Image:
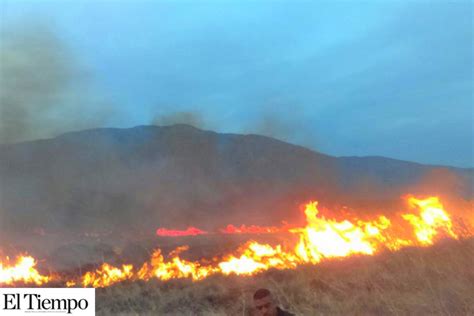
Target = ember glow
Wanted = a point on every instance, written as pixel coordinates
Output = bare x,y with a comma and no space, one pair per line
190,231
228,230
251,229
322,238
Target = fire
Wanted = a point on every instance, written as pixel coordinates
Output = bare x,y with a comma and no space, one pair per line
190,231
172,269
432,219
107,275
229,229
255,257
325,238
22,271
320,239
251,229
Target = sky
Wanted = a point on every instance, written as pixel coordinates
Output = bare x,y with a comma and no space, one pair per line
346,78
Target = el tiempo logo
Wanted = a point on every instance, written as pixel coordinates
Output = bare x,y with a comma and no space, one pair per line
42,301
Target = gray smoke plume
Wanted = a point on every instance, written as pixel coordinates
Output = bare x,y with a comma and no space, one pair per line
183,117
274,126
278,122
42,90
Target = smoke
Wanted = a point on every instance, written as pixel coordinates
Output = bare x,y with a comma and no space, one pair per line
274,126
182,117
447,182
285,121
278,123
43,91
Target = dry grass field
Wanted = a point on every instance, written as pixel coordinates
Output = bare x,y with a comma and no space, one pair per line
438,280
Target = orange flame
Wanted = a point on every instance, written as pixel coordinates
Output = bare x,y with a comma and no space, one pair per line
251,229
22,271
431,221
190,231
107,275
321,238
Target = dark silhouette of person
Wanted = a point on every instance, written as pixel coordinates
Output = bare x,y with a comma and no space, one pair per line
265,304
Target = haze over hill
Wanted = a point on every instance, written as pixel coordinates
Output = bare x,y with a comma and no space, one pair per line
140,178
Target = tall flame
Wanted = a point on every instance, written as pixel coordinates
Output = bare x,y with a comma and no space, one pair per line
22,271
432,219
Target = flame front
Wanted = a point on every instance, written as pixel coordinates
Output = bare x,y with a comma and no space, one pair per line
107,275
432,220
321,239
23,271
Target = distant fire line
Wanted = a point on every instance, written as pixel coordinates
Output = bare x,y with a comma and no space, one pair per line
190,231
229,229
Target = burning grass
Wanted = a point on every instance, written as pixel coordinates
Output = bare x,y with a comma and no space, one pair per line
436,280
416,262
413,263
321,239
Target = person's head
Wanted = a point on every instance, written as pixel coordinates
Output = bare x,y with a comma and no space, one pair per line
264,304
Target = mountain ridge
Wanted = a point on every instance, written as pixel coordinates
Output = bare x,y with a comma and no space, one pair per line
93,130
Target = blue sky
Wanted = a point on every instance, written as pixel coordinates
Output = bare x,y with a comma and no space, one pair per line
387,78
